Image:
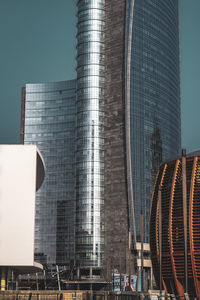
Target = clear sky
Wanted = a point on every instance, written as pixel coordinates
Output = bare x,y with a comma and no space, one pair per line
38,45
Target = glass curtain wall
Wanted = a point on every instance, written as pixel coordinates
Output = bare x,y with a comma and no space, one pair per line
49,117
155,132
89,133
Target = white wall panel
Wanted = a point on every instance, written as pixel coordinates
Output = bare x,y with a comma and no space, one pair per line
17,204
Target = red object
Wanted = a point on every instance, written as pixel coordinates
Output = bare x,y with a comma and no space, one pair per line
169,178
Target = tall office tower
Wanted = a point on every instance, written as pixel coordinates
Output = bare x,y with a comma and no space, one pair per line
48,120
154,96
128,57
89,133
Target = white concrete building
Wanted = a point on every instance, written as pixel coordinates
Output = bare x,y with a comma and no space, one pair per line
21,174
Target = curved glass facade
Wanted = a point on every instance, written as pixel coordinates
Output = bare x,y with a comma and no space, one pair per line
89,133
49,122
154,96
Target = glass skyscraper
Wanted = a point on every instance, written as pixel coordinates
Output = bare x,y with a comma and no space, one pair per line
90,133
121,121
154,96
48,117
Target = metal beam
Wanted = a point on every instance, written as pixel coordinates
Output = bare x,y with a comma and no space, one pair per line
184,194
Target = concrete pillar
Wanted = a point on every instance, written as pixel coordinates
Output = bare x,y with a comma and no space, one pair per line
17,282
78,273
90,272
151,278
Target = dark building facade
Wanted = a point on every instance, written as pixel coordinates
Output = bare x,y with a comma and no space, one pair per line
169,179
142,115
116,189
48,120
127,122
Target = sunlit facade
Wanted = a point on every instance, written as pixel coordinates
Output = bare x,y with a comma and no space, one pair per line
90,133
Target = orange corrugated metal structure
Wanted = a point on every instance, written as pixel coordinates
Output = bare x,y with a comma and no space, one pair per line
169,178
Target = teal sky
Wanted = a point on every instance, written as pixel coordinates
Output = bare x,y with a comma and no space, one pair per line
38,45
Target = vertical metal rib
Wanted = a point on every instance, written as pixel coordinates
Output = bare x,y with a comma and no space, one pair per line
158,212
154,216
160,236
185,225
127,118
194,223
178,285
